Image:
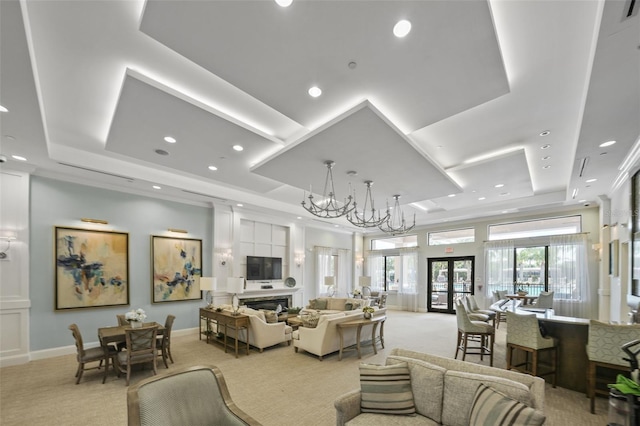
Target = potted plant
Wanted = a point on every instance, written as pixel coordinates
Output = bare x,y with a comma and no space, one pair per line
368,311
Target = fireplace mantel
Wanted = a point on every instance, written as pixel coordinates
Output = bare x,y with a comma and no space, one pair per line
267,292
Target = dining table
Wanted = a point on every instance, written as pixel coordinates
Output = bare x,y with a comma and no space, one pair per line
117,334
525,298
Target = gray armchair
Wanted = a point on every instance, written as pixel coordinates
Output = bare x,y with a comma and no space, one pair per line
190,396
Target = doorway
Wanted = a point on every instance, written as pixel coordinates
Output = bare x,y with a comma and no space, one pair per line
450,278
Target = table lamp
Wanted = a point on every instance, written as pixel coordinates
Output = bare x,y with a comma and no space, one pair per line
235,286
330,283
208,285
365,285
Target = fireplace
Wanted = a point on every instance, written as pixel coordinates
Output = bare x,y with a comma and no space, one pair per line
268,303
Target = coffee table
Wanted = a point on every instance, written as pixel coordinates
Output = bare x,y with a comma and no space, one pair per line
294,322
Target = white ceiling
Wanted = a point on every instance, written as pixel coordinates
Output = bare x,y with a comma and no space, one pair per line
439,117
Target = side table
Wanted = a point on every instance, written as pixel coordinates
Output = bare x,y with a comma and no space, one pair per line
359,323
225,320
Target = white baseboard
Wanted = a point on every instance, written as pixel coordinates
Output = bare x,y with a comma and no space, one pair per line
68,350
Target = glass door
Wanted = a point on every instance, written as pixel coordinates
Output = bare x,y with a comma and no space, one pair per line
450,278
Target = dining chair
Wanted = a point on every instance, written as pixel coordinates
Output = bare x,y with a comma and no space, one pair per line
122,319
544,301
189,396
141,349
85,356
500,316
523,334
467,330
163,343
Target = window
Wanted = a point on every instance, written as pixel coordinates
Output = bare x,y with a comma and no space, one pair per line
455,236
395,242
394,272
536,228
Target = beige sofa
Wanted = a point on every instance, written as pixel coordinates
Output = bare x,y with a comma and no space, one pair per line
325,339
443,391
332,305
261,333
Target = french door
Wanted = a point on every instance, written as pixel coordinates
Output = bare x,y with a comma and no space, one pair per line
450,278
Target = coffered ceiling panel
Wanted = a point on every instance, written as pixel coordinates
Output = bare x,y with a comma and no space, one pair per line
203,139
276,54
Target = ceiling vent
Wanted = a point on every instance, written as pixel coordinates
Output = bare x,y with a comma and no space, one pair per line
630,9
128,179
204,195
583,165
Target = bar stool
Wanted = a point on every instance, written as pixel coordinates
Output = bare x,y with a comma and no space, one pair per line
467,330
523,334
472,308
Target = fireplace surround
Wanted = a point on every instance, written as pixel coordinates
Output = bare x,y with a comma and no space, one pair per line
268,302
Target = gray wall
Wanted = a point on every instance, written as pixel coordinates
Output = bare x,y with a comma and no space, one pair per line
56,203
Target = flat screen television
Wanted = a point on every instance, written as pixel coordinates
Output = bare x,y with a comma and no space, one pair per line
264,268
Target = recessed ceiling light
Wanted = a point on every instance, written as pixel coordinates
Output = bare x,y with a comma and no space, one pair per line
582,201
546,167
482,198
608,143
238,148
240,205
18,157
451,195
3,109
170,139
336,226
546,158
500,185
213,168
591,180
315,91
299,217
156,187
401,28
161,152
284,3
504,194
545,133
547,146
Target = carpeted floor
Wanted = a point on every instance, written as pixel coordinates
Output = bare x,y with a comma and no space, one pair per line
277,387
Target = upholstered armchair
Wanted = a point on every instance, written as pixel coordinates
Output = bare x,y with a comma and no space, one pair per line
190,396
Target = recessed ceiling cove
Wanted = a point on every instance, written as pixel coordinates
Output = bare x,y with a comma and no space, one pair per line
146,114
362,141
276,54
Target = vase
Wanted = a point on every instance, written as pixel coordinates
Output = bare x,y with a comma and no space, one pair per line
135,324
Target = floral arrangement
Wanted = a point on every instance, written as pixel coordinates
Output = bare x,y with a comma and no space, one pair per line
357,292
136,315
368,309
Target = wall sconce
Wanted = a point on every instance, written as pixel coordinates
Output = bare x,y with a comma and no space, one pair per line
89,220
8,236
359,261
299,259
596,246
226,255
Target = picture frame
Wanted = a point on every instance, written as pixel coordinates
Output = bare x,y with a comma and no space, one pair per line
613,258
91,268
176,267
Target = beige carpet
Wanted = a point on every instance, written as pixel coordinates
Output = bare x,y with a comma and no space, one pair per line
277,387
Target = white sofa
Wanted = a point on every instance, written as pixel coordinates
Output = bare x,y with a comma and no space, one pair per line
443,391
261,333
324,338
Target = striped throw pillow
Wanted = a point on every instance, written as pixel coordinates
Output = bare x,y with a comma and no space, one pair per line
493,408
386,389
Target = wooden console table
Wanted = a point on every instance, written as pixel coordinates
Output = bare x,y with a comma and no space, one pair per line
226,320
359,323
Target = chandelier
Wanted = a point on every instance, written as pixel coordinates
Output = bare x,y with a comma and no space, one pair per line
329,207
366,220
395,223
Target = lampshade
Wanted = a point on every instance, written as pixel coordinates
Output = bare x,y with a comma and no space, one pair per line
208,283
235,285
329,281
364,281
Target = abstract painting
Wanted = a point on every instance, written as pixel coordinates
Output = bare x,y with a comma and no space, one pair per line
92,268
177,265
